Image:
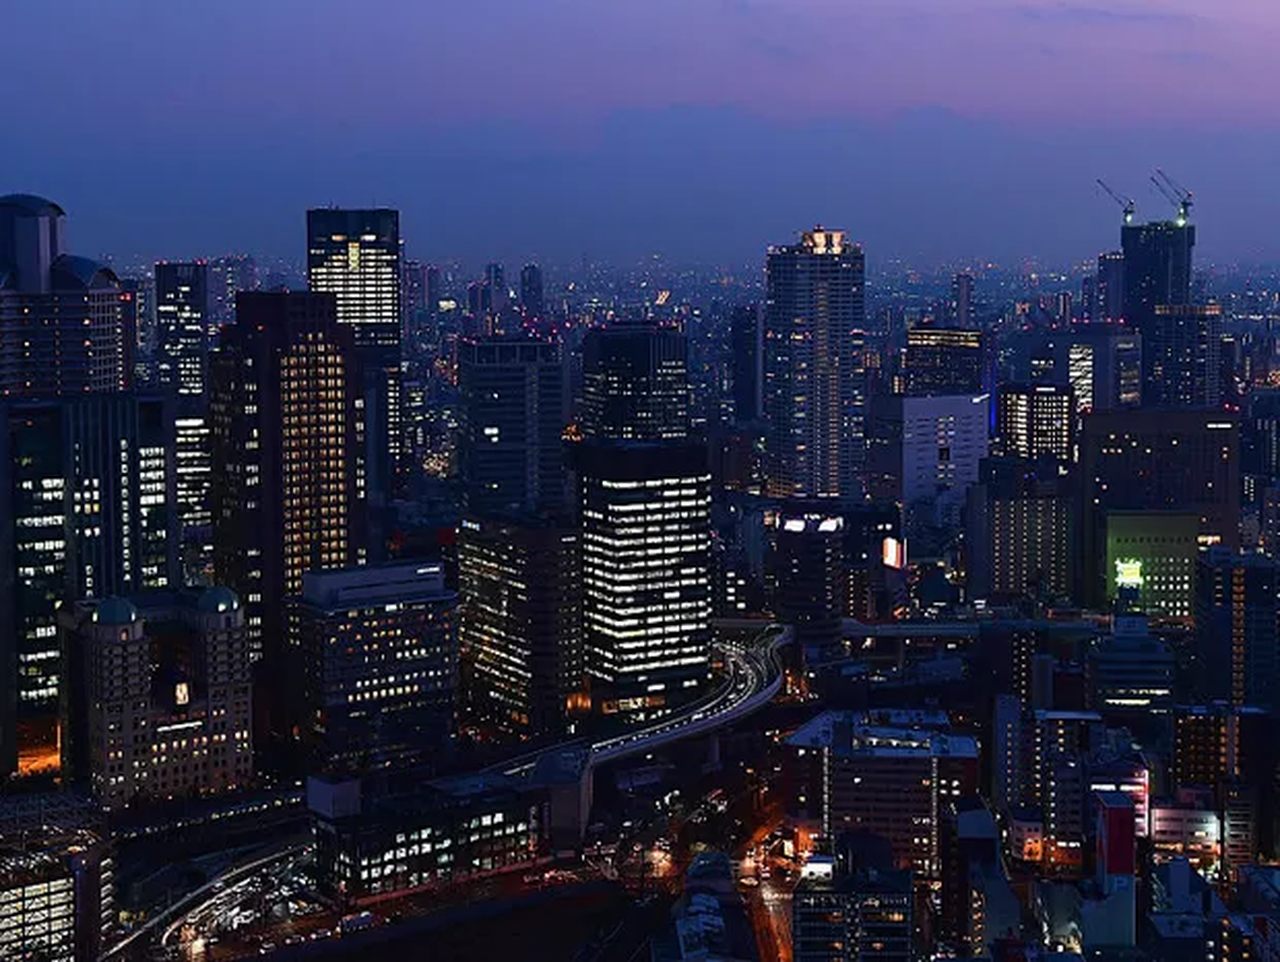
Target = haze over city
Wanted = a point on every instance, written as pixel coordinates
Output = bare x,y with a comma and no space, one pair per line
702,129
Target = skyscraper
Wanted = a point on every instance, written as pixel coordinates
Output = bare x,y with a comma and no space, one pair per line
1183,343
635,382
182,311
514,409
182,368
521,624
962,299
748,353
814,390
1034,420
87,491
355,256
1109,291
60,329
286,414
644,505
1157,273
943,360
531,296
228,276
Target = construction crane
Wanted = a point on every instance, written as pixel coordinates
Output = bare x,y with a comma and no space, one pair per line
1175,194
1127,205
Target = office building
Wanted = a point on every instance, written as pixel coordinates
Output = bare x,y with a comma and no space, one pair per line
1237,620
182,368
57,894
892,780
814,374
924,454
87,509
961,306
807,562
60,323
1156,460
1130,673
378,649
520,625
1152,556
1157,273
1103,367
1110,287
228,276
943,361
159,704
514,409
1181,345
847,913
747,339
355,256
645,515
1037,420
182,318
1021,530
635,382
287,420
532,302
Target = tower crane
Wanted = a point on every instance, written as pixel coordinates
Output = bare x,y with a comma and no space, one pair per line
1175,194
1126,204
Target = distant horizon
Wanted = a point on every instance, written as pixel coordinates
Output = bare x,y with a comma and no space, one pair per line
933,131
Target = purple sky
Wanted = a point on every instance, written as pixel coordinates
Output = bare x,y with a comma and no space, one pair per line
703,128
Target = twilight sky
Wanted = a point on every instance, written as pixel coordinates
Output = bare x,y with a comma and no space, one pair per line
931,129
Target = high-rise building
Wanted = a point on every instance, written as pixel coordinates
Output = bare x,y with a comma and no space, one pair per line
748,355
182,318
1037,420
159,703
924,453
887,778
1237,618
645,512
87,509
57,894
60,325
1182,345
182,368
228,276
1157,273
644,508
378,647
532,303
1171,460
943,360
355,256
287,421
1152,556
514,409
1110,287
1103,367
521,624
962,300
807,562
1020,532
635,382
814,373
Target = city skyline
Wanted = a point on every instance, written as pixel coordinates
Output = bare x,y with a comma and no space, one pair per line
675,128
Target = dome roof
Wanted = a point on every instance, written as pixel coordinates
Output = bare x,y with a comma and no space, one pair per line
32,204
72,273
217,599
115,612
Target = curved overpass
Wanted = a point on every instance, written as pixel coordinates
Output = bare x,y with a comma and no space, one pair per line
753,678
